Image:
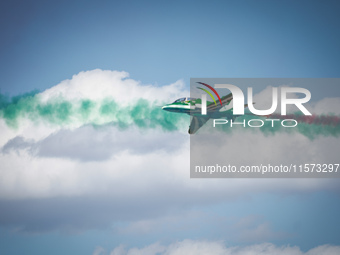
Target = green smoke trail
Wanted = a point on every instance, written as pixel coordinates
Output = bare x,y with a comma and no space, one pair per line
142,113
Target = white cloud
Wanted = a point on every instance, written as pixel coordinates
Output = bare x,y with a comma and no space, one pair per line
89,143
123,167
327,106
99,84
90,161
192,247
159,168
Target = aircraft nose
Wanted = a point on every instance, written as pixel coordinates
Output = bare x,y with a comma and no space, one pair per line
165,107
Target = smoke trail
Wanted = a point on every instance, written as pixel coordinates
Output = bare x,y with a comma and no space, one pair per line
313,126
58,111
142,113
309,126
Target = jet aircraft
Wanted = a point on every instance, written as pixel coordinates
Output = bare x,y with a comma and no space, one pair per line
193,106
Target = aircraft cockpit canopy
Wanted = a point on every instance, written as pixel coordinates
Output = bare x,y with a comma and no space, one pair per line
180,100
183,99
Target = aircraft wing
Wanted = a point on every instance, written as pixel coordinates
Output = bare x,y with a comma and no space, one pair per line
197,123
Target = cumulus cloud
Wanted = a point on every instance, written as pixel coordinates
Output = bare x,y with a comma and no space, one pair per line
98,84
94,97
106,169
164,162
327,106
194,247
89,143
152,249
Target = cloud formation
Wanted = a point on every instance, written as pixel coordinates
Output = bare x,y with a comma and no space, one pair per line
100,167
192,247
89,143
94,98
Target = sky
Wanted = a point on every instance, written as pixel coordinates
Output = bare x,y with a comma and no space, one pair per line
90,164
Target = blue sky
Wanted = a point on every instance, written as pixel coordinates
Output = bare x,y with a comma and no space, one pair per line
45,42
297,219
71,209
